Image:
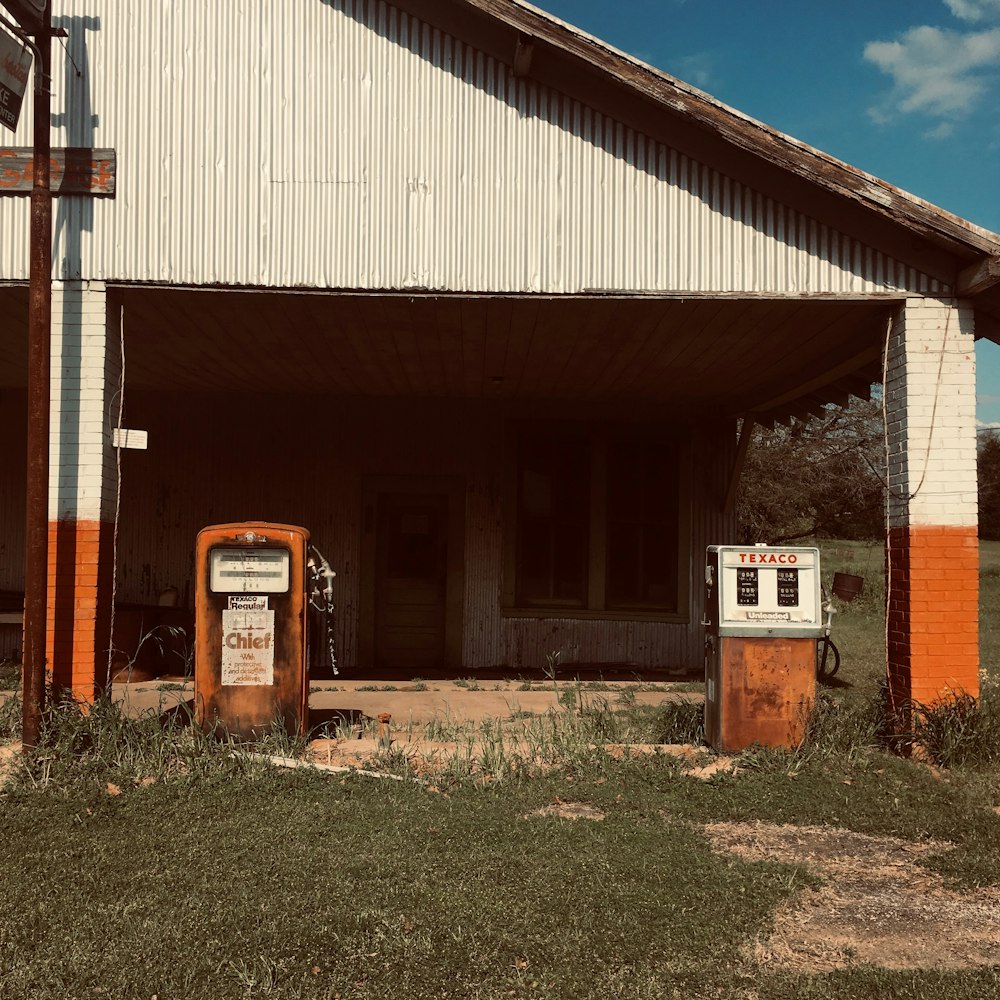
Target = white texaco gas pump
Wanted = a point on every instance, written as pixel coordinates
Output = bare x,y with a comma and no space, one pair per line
763,617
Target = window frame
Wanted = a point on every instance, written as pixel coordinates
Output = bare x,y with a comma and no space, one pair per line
599,437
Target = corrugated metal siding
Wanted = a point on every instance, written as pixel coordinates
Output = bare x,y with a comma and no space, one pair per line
342,143
269,472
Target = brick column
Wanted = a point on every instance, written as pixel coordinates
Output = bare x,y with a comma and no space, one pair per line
932,559
82,486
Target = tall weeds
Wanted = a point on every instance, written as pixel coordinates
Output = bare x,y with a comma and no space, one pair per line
101,744
960,731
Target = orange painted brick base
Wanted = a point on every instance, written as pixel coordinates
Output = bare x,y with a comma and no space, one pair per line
933,613
79,606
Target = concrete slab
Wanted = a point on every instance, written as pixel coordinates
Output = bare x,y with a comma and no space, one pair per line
424,702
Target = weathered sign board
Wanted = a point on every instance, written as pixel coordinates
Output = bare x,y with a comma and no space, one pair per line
28,13
74,170
15,63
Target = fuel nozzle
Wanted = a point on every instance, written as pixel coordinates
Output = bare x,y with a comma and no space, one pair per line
319,569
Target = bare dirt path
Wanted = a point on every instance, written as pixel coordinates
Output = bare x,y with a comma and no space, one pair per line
876,905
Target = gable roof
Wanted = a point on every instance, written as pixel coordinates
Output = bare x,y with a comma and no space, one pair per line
543,47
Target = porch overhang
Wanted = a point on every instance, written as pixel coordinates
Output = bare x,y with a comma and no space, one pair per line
723,355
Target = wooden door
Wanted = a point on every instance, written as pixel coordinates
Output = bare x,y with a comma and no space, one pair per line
411,580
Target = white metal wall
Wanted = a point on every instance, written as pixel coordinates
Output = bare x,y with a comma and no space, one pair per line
343,144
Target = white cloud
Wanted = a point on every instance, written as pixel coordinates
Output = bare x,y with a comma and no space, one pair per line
940,131
936,72
975,10
697,68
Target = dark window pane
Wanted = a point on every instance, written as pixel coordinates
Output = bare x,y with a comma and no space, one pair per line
553,504
659,576
414,542
642,525
624,565
534,557
569,563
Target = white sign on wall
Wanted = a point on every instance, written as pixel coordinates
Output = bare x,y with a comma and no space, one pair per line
15,62
247,647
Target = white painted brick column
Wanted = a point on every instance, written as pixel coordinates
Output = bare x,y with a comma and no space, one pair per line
932,556
82,484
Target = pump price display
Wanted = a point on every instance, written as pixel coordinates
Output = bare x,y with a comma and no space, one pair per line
249,571
747,587
788,588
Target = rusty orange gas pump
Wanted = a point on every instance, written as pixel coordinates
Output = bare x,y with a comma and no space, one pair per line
251,632
763,617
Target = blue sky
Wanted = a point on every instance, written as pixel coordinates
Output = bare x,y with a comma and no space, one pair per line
908,90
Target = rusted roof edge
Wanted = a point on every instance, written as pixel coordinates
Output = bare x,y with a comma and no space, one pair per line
774,146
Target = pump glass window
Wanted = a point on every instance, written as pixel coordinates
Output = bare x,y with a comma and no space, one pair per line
249,571
596,523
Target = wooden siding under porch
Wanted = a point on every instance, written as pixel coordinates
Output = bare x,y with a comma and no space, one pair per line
307,461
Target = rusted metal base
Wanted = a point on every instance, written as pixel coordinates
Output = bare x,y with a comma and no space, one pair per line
759,690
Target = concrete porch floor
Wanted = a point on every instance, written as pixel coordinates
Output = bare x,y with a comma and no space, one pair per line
423,702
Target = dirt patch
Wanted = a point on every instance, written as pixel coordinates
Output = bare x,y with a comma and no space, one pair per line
682,751
568,810
720,765
429,757
10,759
876,905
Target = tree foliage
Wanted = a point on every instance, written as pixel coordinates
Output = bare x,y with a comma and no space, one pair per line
989,485
822,477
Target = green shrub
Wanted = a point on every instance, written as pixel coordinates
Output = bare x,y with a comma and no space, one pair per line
960,731
10,718
837,726
679,722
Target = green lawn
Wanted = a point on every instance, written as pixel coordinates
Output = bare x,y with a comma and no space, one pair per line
859,627
299,886
136,864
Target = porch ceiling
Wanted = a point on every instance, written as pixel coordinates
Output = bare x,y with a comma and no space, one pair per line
733,355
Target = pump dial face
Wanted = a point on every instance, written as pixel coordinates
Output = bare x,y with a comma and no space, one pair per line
248,570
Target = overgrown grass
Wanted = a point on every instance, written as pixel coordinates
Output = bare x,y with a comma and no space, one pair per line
10,675
142,858
97,745
960,731
678,722
237,882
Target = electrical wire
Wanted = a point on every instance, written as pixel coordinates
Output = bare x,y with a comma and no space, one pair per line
118,488
888,524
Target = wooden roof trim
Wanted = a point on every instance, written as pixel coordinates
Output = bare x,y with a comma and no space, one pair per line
742,131
978,277
829,379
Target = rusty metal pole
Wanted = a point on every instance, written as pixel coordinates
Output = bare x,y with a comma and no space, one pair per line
39,363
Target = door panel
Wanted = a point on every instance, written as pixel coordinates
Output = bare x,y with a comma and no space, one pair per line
411,577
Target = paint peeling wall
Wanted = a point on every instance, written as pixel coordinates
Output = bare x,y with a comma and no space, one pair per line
344,144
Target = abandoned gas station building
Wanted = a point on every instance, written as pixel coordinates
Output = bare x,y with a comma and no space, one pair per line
479,301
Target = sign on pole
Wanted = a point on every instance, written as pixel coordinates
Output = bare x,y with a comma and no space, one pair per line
74,170
27,13
15,62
